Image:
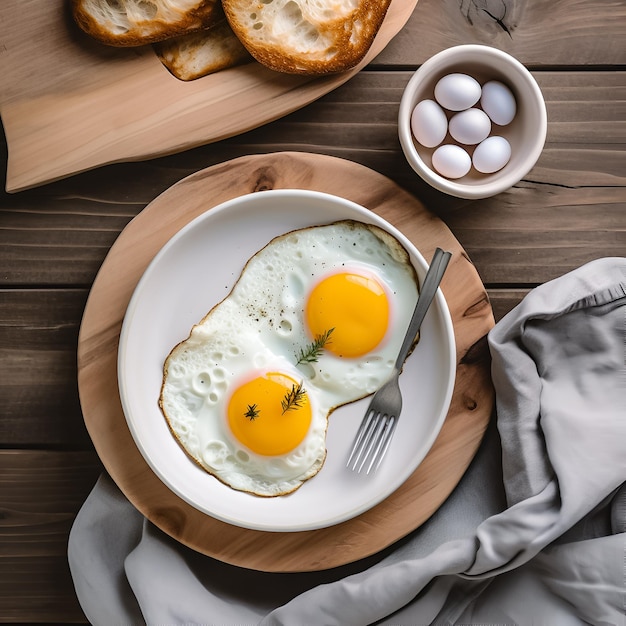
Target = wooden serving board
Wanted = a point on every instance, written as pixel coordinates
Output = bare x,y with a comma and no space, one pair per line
406,508
70,104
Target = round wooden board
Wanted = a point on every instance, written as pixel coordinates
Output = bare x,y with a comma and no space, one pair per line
402,512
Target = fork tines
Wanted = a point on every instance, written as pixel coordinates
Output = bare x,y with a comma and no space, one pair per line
372,441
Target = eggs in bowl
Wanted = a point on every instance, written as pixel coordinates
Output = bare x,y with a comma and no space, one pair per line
315,321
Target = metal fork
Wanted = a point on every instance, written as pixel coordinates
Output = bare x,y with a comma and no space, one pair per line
379,422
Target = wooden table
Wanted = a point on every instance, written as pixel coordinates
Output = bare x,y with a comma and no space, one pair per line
570,209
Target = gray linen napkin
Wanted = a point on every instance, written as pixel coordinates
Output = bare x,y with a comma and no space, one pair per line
534,534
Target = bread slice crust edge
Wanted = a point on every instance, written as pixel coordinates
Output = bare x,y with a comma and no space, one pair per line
91,17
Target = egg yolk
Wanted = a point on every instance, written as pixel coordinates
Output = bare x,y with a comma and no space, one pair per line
265,415
355,307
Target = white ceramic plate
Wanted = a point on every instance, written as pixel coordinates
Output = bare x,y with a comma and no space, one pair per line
194,271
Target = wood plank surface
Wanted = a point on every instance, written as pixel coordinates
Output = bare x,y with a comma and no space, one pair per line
38,387
41,493
571,208
541,33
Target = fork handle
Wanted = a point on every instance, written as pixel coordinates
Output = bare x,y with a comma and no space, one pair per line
431,283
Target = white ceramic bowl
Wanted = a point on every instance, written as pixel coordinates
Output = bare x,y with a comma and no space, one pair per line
526,133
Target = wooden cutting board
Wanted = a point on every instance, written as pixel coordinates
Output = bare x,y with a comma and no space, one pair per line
403,511
70,104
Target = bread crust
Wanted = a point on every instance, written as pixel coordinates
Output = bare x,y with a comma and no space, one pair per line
94,18
322,39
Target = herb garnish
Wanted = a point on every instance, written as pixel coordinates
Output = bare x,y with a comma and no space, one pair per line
252,413
293,399
313,350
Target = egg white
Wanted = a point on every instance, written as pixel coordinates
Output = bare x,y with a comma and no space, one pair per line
261,326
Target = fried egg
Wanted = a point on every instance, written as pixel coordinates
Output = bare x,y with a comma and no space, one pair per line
315,321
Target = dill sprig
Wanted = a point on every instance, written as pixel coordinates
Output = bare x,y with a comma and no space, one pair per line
252,413
314,349
293,399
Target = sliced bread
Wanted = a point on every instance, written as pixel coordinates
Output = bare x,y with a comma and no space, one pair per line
306,36
139,22
198,54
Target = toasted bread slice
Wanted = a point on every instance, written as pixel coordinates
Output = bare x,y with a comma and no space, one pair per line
198,54
139,22
306,36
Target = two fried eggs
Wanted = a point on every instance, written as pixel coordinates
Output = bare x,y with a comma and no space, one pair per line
315,321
